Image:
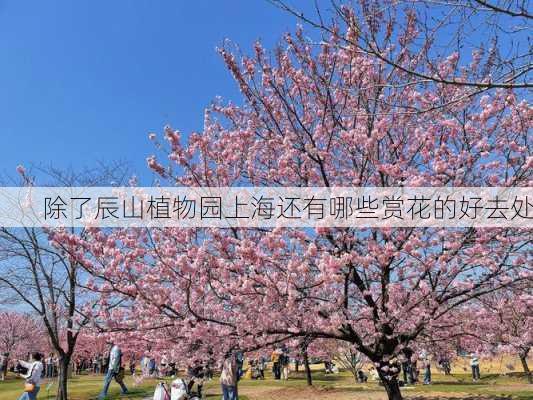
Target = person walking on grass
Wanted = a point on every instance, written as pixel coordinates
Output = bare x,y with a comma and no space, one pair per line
474,364
284,361
427,370
229,377
276,367
4,359
32,377
261,365
132,365
114,371
49,361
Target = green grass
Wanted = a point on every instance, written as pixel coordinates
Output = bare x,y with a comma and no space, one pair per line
489,385
81,388
87,387
342,385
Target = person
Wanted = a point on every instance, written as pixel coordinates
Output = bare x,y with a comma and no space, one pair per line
374,375
196,375
146,370
253,371
284,361
77,366
132,365
33,376
474,364
414,368
261,367
4,358
405,362
326,366
163,365
229,377
105,362
239,357
144,366
49,361
209,368
114,371
55,362
427,373
276,368
444,363
99,364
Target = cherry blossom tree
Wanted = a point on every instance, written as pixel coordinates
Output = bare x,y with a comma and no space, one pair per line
38,274
409,38
323,115
348,357
20,334
504,322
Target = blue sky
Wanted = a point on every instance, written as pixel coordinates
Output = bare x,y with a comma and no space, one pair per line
88,80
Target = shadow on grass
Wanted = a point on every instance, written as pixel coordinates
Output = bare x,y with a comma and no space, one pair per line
218,396
135,393
317,377
456,383
356,389
490,397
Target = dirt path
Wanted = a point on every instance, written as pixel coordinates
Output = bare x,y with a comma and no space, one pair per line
272,393
309,394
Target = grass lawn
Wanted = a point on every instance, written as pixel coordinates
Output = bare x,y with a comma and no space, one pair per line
326,387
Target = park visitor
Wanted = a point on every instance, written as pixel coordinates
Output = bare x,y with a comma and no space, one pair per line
406,360
327,368
427,369
97,364
374,375
254,372
284,361
105,362
144,366
404,363
114,371
276,367
414,368
196,375
152,367
261,365
132,365
32,377
239,357
55,363
445,365
163,365
49,361
474,364
4,358
228,377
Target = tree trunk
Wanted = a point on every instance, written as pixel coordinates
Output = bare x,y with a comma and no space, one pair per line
392,388
523,359
307,369
62,378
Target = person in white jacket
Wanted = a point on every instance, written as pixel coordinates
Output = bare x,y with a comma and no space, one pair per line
33,375
114,372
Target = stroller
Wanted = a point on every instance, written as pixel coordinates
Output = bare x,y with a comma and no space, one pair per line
181,389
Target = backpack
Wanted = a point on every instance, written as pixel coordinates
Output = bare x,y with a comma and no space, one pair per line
161,392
